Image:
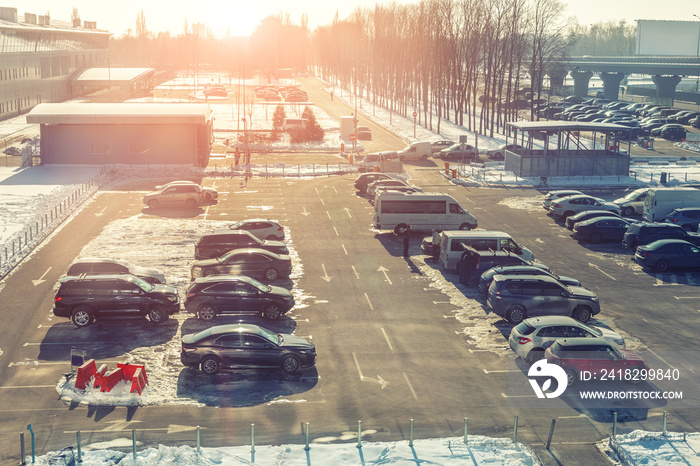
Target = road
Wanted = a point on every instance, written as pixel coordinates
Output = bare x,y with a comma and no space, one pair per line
397,338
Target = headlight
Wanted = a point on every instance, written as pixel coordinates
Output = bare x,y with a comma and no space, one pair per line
172,298
619,342
595,298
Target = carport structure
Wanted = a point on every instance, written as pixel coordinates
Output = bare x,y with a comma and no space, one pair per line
556,148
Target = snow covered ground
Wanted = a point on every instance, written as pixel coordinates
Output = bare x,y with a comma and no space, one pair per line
39,194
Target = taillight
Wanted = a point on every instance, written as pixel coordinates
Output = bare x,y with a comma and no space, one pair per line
557,206
675,220
191,295
279,228
57,299
498,294
523,340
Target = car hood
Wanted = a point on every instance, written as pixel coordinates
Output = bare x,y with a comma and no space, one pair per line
280,291
291,341
206,263
275,244
583,292
164,289
572,282
147,272
621,201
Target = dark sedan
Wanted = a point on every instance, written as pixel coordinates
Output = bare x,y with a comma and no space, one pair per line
208,297
663,254
601,229
245,346
251,262
587,215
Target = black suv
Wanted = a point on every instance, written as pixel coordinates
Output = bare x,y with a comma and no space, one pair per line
104,266
219,242
87,297
645,233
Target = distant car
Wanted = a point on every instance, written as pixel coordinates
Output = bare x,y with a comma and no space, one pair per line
633,202
673,132
245,346
437,146
365,179
177,195
600,229
687,217
598,357
531,337
252,262
639,234
587,215
554,195
261,228
567,206
499,153
364,133
664,254
455,152
216,243
208,297
105,266
372,187
535,269
210,194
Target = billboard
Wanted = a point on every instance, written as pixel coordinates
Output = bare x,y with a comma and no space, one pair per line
668,38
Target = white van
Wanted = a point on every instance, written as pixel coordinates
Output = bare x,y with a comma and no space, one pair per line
416,151
420,211
452,245
375,160
661,201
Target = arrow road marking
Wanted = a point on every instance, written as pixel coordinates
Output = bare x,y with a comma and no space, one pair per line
599,270
304,212
101,212
41,280
384,271
347,211
325,274
378,380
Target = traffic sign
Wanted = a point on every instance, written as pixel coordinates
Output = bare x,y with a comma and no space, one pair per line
352,137
415,114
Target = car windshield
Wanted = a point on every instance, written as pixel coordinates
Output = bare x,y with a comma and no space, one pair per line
236,225
275,338
633,195
260,286
593,330
143,284
226,256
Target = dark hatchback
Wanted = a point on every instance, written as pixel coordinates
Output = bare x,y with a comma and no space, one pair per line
587,215
218,242
88,297
245,346
639,234
601,229
208,297
252,262
664,254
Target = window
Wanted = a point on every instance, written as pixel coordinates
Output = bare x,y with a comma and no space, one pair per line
229,341
138,148
100,148
253,341
557,331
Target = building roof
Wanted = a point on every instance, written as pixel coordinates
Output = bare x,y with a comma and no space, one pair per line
114,76
555,126
119,113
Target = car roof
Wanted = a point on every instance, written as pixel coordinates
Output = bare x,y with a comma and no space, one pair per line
684,209
596,212
519,267
223,278
250,220
558,191
110,260
583,341
233,328
550,320
100,277
265,252
524,278
228,231
663,242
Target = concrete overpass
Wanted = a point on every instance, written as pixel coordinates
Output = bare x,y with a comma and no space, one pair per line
666,73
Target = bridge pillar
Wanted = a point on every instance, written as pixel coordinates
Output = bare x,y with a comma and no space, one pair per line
581,79
611,84
556,81
665,88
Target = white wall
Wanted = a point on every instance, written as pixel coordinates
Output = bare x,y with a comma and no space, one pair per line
667,38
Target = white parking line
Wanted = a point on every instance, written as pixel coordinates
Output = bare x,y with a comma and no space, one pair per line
336,231
329,215
410,387
356,274
322,203
369,302
345,250
391,348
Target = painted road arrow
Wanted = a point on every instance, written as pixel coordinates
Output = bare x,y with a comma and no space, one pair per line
597,267
383,383
305,212
325,274
384,271
41,280
101,212
347,211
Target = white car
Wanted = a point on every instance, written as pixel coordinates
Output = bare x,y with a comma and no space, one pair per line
261,228
552,195
372,187
209,194
567,206
531,337
632,203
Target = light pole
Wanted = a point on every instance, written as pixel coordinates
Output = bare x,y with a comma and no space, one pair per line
697,53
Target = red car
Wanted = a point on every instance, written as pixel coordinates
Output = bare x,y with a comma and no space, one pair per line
596,359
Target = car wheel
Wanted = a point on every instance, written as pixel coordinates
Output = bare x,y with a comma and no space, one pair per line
595,238
272,311
210,365
157,315
515,314
209,272
465,226
570,377
271,274
424,158
190,203
401,229
582,314
82,316
291,364
153,203
206,312
628,211
661,265
535,355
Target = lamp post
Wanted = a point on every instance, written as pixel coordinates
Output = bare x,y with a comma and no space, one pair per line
697,53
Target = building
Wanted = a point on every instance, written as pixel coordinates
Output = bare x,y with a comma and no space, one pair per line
38,57
124,133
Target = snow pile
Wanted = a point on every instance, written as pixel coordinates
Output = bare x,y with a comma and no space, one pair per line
653,448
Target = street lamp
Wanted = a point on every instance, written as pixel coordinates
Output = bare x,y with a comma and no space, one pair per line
697,53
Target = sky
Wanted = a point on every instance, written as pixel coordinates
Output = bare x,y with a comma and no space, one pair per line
241,17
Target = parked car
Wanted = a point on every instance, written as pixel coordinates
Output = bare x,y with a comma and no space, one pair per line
534,269
177,195
499,153
437,146
455,152
587,215
673,132
567,206
245,346
633,202
372,187
531,337
664,254
519,297
364,133
251,262
210,194
88,297
687,217
374,160
695,122
216,243
554,195
208,297
600,229
365,179
596,356
261,228
105,266
639,234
